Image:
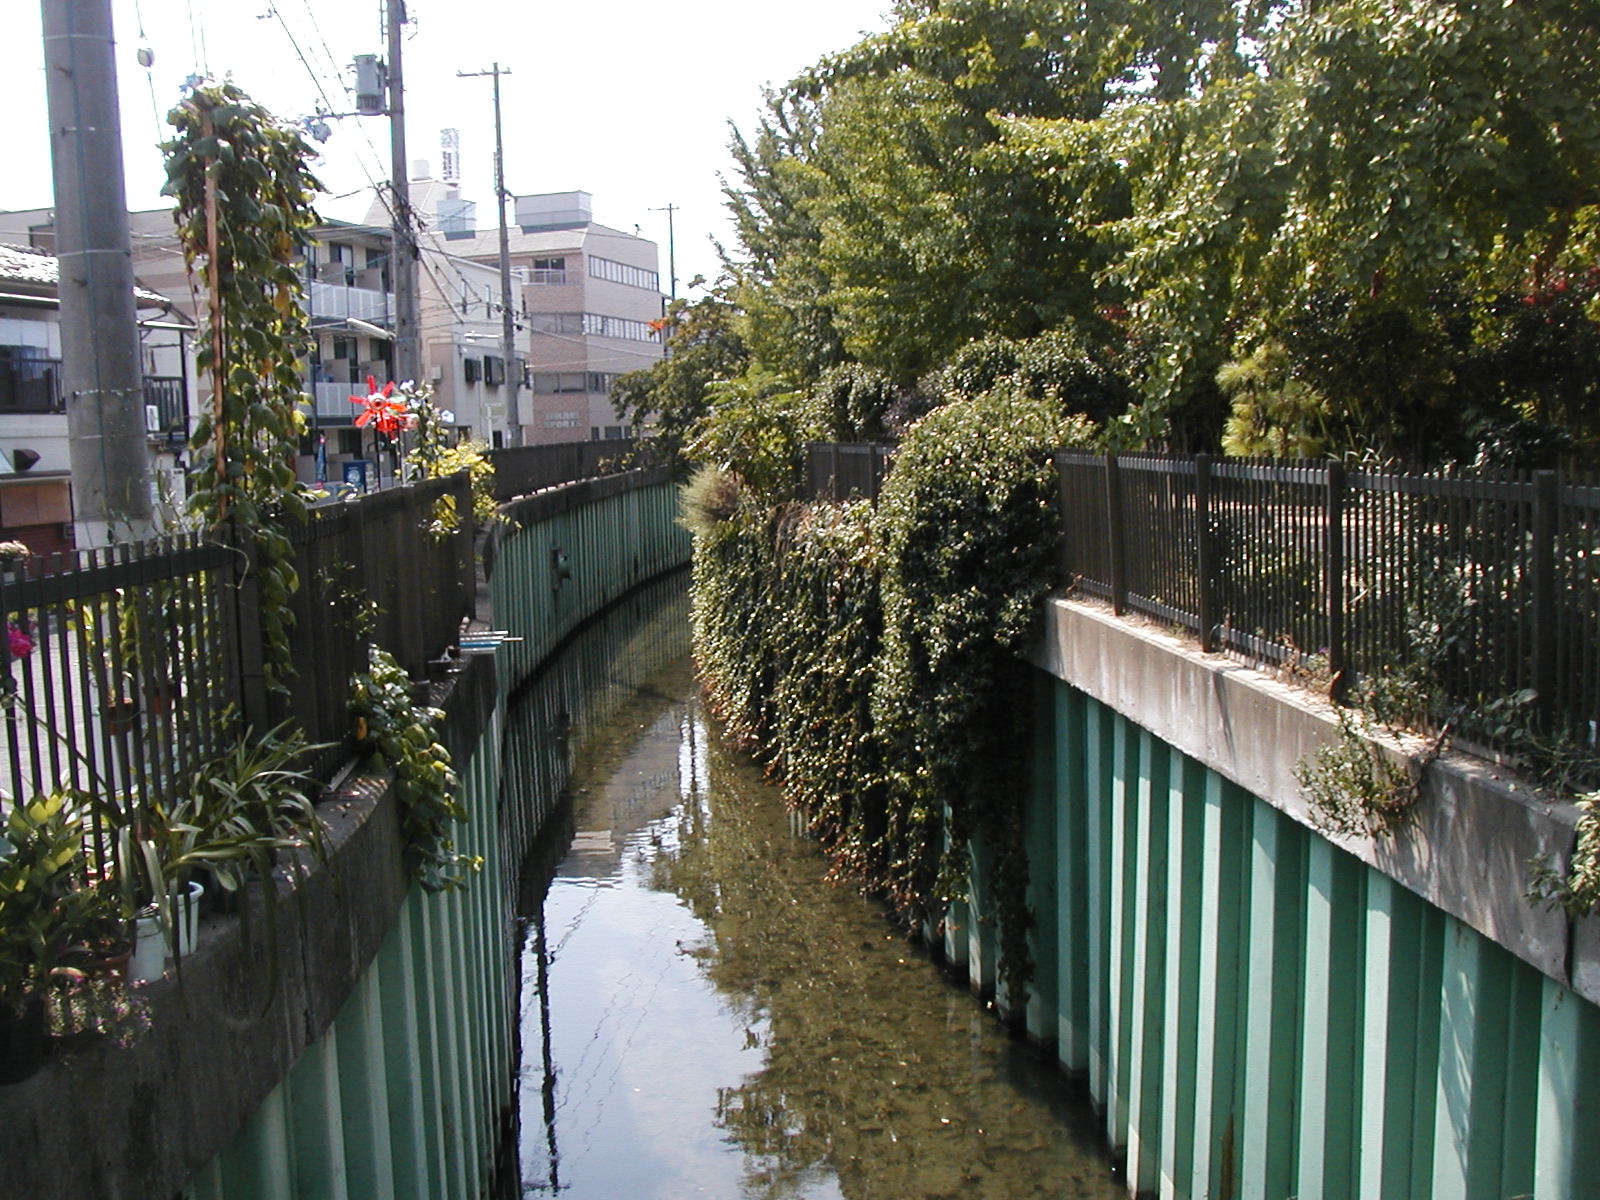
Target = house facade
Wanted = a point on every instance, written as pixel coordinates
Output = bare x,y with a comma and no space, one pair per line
35,453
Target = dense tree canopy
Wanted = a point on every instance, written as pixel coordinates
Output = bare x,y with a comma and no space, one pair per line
1362,227
1382,163
879,219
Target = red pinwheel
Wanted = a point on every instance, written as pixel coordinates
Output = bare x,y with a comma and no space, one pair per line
387,414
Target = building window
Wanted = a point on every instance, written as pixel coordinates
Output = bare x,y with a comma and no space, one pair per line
558,323
549,270
350,441
598,325
616,272
344,347
473,369
494,369
561,383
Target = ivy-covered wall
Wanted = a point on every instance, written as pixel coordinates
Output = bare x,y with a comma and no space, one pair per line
868,655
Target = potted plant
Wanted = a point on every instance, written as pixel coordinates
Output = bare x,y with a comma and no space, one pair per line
46,909
223,830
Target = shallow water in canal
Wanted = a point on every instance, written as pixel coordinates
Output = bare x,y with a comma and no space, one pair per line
703,1014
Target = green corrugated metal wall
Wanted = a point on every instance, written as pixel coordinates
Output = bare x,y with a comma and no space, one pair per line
608,546
403,1095
1260,1015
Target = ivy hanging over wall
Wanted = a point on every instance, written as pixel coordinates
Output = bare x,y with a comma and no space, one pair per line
244,200
401,736
869,655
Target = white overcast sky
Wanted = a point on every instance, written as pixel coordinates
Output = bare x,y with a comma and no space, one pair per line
627,99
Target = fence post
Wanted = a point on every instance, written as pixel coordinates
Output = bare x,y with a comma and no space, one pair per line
1203,564
1542,568
1114,532
1333,567
253,711
466,542
402,527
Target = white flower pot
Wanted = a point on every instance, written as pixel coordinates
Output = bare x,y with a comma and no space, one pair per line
150,942
149,948
188,915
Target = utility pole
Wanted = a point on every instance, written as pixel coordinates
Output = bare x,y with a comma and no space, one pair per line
101,369
407,343
508,325
672,252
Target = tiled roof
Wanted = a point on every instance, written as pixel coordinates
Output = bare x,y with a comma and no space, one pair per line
24,264
21,264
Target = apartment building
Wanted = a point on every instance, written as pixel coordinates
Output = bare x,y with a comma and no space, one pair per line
459,315
588,301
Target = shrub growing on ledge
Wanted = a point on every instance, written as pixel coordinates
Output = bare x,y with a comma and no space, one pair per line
967,530
869,655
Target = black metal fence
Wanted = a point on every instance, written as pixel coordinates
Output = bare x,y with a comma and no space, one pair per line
123,670
523,470
844,470
1487,586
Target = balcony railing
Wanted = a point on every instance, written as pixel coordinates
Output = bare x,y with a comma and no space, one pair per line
31,385
166,394
333,401
332,301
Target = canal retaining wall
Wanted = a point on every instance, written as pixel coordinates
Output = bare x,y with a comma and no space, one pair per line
561,557
365,1048
566,553
1263,1012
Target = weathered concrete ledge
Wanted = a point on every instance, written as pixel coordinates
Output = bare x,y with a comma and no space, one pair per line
1473,835
115,1123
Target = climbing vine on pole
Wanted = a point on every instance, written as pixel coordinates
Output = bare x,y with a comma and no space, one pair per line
244,197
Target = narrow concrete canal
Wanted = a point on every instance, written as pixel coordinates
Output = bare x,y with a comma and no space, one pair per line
703,1014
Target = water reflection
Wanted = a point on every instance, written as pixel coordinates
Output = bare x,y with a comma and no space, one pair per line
578,691
703,1015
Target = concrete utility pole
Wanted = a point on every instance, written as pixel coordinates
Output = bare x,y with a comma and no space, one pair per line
508,322
672,252
407,342
101,370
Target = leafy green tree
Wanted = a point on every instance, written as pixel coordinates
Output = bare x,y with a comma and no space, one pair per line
1376,151
881,219
853,403
703,347
755,426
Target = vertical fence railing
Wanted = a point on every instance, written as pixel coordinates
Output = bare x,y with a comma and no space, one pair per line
523,470
1488,584
116,669
123,670
838,471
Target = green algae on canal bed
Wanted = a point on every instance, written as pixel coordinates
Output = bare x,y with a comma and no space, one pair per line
724,1022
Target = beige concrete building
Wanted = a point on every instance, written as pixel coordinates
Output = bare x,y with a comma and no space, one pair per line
588,302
